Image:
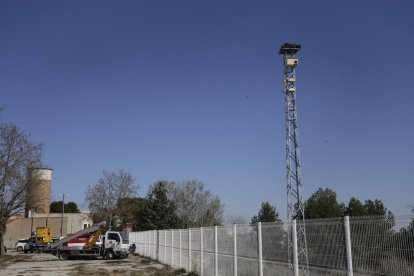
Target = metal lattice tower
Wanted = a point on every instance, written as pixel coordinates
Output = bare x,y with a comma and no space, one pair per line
298,260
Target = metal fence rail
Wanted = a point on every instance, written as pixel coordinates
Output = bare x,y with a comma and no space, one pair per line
341,246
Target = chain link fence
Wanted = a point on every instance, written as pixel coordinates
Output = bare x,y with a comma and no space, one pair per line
341,246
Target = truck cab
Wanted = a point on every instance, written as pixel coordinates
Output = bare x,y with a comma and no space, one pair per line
114,245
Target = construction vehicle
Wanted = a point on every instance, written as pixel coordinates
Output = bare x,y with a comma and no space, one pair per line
84,244
40,239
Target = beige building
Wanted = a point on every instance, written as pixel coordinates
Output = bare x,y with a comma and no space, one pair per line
21,228
75,221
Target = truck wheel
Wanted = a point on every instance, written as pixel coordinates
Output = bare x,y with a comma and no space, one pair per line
64,256
109,255
19,249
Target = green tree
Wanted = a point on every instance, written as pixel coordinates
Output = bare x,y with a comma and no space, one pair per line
354,208
128,209
267,213
273,236
374,233
159,211
323,204
375,208
70,207
369,208
405,239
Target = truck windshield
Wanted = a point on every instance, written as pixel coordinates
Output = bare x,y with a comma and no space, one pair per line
125,238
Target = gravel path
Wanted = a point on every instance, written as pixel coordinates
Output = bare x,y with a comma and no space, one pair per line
45,264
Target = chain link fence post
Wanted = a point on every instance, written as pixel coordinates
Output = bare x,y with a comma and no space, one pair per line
295,249
348,246
172,248
158,245
189,249
215,252
180,251
145,243
154,238
235,248
201,252
165,246
259,243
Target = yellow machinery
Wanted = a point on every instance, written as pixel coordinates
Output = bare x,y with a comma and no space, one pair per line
43,235
94,237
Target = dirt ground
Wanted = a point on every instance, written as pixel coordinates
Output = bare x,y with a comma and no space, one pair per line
19,264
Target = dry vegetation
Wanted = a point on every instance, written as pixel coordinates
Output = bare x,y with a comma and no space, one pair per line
7,260
152,271
140,267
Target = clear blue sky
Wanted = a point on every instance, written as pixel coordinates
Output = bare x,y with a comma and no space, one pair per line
182,90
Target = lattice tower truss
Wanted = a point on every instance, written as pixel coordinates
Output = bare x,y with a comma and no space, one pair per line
295,205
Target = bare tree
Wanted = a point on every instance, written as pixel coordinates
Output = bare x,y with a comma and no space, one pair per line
195,206
102,197
17,154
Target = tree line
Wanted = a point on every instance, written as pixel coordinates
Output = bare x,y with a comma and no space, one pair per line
324,204
188,204
167,204
70,207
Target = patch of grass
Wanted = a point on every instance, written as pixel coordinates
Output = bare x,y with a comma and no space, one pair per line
7,260
84,270
141,273
74,264
116,262
163,272
145,262
166,272
31,271
179,271
119,271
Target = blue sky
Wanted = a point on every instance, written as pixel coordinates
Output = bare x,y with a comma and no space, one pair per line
182,90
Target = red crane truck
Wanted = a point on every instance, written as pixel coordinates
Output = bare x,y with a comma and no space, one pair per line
85,244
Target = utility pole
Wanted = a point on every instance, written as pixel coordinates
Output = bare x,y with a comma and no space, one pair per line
63,212
295,206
